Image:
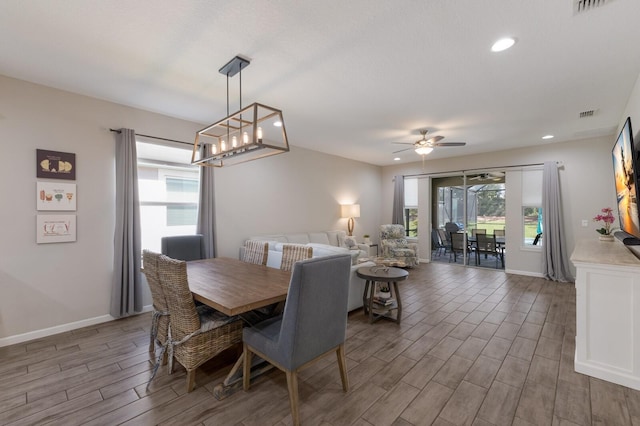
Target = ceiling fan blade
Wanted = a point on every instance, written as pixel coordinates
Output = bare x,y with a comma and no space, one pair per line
402,150
450,144
403,143
435,139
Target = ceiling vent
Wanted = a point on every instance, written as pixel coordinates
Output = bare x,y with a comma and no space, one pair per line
588,113
580,6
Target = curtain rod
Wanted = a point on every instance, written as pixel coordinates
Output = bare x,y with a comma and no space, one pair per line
558,163
155,137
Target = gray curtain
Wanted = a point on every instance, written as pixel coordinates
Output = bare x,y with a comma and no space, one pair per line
397,215
555,261
206,211
126,293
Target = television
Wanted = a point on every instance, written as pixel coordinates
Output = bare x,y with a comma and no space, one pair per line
625,168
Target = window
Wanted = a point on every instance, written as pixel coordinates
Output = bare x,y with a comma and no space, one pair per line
168,185
532,207
411,207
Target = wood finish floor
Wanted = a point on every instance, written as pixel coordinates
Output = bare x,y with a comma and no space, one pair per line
476,346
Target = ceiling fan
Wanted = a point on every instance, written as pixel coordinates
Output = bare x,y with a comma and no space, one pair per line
424,146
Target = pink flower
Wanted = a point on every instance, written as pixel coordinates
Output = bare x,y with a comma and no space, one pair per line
607,218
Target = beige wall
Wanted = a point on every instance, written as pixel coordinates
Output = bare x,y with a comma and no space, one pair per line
300,191
50,288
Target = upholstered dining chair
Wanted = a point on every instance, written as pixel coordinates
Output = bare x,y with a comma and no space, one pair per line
291,253
183,247
160,313
195,334
255,251
313,324
498,232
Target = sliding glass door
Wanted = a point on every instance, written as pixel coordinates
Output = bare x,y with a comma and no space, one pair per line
463,205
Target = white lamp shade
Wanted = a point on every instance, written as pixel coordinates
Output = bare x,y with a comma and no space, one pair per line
424,150
351,210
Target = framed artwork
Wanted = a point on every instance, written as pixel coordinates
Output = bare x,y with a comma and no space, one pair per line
55,229
55,165
56,196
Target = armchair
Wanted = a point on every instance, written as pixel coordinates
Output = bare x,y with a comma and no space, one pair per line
394,244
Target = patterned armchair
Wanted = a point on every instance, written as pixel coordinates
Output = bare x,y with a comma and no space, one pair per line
393,243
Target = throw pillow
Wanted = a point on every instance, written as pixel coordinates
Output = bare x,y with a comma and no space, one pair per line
350,242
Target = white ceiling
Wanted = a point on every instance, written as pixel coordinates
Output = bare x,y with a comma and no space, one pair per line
350,76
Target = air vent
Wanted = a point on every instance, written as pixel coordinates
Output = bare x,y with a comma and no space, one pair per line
580,6
589,113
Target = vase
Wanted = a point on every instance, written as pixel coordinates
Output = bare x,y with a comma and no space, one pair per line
367,241
605,237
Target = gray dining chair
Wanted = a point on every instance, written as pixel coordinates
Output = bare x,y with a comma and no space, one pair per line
183,247
313,324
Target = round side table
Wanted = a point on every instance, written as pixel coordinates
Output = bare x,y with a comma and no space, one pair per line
382,274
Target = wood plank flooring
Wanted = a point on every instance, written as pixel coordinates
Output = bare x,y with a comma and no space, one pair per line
476,347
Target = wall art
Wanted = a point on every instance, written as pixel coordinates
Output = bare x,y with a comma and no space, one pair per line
55,165
56,196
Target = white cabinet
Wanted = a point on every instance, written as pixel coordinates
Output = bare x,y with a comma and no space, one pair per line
607,312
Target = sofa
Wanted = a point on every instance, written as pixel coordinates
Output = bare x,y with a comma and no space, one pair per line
324,243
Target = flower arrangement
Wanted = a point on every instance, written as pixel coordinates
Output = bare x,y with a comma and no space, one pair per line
607,219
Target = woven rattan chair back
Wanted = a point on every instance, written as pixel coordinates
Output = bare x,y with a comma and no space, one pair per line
160,316
182,308
291,253
256,252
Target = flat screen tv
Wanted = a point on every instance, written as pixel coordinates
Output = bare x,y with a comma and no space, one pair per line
625,168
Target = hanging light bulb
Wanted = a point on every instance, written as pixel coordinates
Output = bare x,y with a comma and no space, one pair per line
234,142
223,145
245,138
214,149
260,134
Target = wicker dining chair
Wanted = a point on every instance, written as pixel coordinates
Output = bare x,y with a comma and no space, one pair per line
195,334
292,253
160,313
255,251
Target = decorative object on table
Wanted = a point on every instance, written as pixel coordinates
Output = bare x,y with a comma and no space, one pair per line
55,229
55,165
56,196
607,218
350,211
367,239
250,133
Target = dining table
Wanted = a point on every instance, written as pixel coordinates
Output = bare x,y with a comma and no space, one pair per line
234,287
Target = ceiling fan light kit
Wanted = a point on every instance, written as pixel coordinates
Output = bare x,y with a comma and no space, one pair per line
425,146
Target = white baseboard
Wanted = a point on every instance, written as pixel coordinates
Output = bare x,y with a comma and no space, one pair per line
38,334
526,273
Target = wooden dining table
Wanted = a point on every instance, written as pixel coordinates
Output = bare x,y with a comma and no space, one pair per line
234,287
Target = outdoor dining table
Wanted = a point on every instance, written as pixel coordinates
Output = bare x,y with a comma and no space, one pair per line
234,287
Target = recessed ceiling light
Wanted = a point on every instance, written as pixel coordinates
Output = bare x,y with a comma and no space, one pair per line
278,123
503,44
396,159
547,137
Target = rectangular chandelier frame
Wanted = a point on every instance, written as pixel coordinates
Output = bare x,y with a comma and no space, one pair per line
256,131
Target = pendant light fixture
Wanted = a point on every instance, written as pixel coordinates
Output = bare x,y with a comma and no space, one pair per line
253,132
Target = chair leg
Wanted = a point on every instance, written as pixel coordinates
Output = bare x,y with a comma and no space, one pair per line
191,380
165,358
342,364
152,345
246,368
292,384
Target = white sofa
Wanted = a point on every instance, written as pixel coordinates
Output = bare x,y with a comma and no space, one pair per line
324,244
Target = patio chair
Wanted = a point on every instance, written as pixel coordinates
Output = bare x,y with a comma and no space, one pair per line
458,245
486,244
313,324
195,334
